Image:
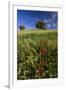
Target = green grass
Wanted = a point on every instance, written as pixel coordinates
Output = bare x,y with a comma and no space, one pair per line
37,54
35,31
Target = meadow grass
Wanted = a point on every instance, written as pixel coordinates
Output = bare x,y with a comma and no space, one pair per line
23,32
37,54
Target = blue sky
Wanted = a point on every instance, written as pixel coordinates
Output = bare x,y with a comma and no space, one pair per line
29,18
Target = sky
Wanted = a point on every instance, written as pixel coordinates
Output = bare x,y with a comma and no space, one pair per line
29,18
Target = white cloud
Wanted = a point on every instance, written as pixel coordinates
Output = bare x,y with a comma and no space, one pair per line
45,20
48,25
54,17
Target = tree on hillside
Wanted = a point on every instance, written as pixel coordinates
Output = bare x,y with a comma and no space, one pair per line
40,25
21,27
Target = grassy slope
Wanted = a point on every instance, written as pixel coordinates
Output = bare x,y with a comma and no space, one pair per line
35,31
37,34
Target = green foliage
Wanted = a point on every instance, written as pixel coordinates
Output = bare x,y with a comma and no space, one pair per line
21,27
37,55
40,25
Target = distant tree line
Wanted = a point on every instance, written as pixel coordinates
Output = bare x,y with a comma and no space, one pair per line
38,25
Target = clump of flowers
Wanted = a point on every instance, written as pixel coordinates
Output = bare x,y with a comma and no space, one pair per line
43,62
43,51
40,70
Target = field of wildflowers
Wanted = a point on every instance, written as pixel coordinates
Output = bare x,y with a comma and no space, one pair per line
37,54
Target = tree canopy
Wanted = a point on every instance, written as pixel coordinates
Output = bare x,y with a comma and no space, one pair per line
21,27
40,25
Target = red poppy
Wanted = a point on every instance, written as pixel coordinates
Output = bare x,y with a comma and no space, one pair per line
43,50
43,62
40,70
